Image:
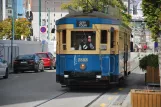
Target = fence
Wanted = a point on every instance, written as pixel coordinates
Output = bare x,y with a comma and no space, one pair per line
5,52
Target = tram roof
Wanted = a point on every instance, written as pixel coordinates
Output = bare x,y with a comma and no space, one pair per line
94,18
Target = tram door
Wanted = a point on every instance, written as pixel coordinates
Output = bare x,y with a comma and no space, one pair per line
125,54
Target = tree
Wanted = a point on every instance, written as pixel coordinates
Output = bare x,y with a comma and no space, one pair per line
5,28
99,4
21,28
151,13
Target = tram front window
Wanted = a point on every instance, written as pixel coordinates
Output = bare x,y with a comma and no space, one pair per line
83,40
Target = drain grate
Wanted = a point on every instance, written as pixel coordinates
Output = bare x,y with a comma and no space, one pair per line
120,100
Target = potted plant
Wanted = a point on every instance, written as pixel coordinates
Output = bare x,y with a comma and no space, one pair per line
150,64
145,98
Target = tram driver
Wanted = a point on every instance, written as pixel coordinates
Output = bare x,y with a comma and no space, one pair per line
86,44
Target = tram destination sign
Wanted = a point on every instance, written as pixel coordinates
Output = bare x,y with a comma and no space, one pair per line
82,23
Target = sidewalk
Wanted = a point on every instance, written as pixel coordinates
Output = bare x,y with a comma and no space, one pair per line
127,101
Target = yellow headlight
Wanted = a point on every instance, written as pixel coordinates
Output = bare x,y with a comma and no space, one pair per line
82,66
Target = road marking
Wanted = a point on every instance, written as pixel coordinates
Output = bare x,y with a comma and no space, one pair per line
116,93
110,98
120,89
102,105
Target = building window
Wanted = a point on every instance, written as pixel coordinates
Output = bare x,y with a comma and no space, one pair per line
9,16
10,11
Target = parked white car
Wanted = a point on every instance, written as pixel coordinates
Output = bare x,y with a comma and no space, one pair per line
3,68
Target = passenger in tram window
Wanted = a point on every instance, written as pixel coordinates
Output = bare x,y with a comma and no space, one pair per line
90,44
86,44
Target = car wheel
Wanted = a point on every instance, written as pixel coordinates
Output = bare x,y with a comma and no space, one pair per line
54,67
37,69
51,67
42,69
15,71
6,74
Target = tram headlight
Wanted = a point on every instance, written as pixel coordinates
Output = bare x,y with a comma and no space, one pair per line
82,66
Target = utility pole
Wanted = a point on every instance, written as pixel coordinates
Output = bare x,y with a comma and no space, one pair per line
128,6
48,24
39,17
13,33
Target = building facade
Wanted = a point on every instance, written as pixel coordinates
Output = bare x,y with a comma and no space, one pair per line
139,31
50,12
6,9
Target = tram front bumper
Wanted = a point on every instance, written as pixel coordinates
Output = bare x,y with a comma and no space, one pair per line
81,77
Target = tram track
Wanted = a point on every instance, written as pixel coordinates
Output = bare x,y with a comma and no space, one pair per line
50,99
89,104
112,89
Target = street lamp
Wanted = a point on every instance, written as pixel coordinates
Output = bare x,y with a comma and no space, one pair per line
13,33
48,9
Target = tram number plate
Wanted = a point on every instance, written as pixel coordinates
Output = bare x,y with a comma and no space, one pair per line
82,59
83,23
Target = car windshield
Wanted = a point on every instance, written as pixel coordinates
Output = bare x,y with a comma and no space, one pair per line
25,57
42,55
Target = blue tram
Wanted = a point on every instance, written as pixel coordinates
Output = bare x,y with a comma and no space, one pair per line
91,48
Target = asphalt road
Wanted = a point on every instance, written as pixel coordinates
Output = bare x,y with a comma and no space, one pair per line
41,90
28,89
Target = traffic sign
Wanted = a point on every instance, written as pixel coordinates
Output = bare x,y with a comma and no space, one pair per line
43,41
43,29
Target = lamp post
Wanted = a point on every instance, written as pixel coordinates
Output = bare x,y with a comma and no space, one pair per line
128,6
48,9
13,33
48,24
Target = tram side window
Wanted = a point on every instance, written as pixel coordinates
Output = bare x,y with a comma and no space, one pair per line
112,39
64,39
103,40
83,40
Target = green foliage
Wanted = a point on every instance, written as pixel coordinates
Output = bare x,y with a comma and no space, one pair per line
21,28
76,4
150,60
5,28
152,12
143,63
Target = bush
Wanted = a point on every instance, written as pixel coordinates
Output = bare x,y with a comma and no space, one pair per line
150,60
143,63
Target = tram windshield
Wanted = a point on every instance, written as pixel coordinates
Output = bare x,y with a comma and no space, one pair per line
83,40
